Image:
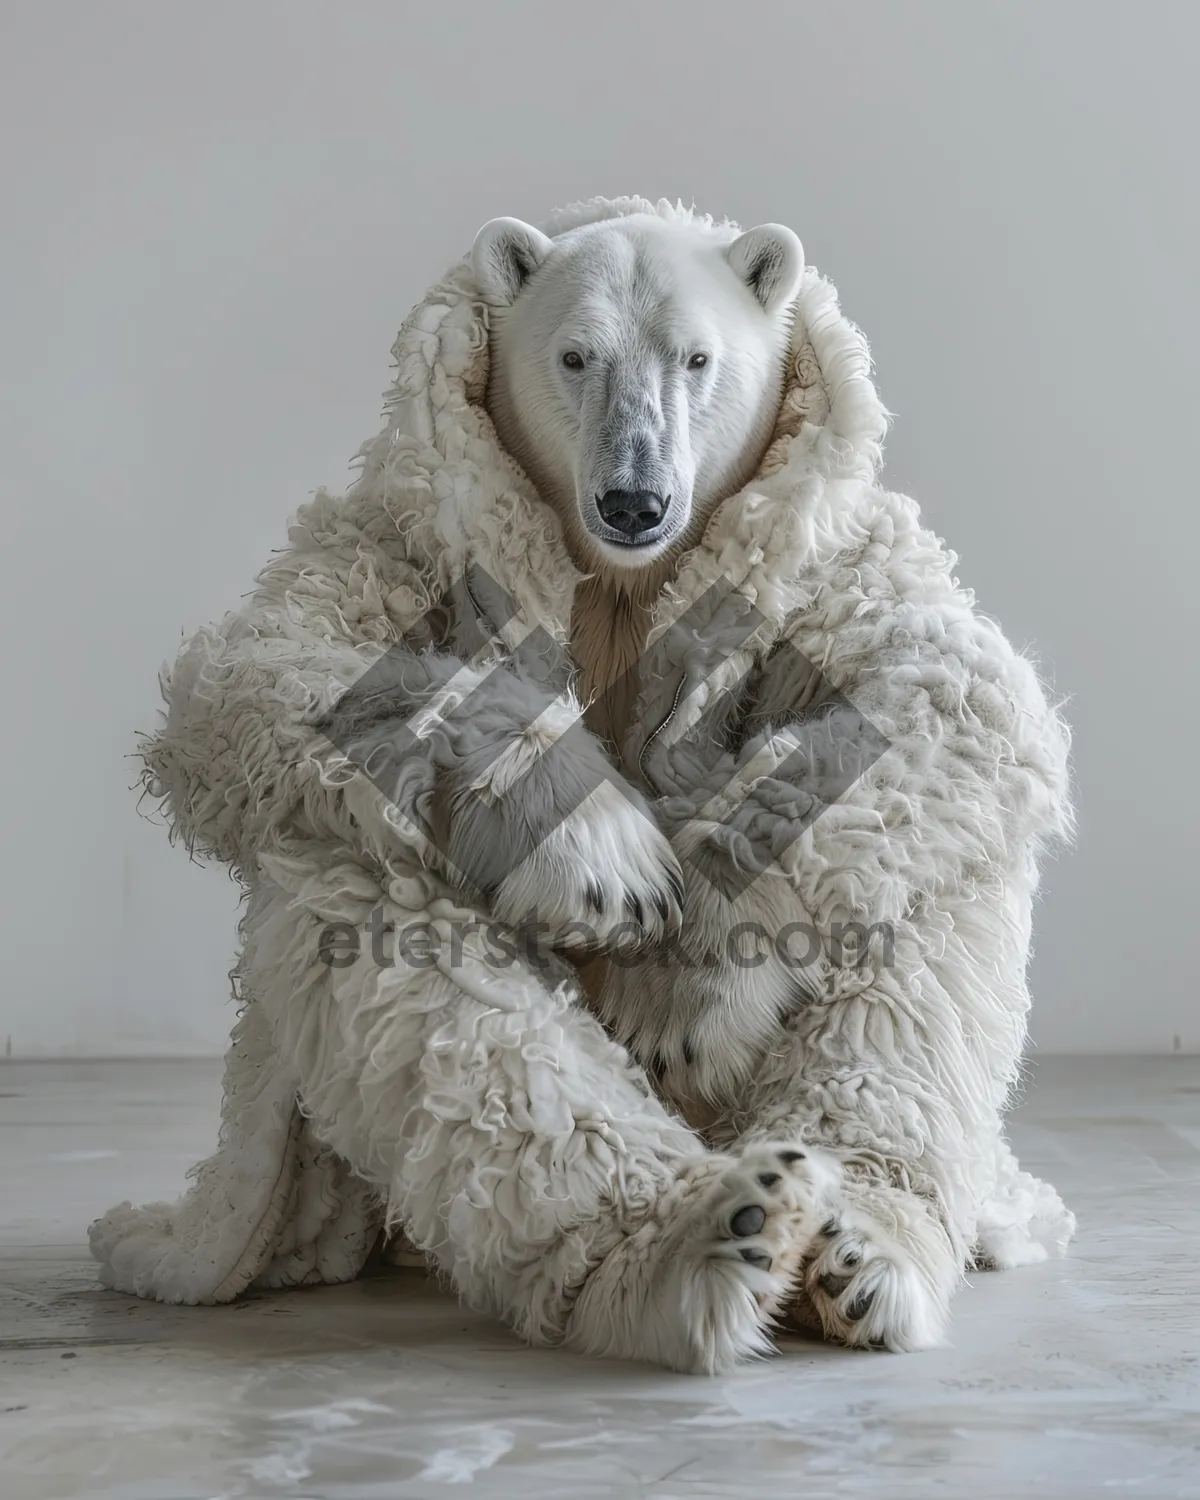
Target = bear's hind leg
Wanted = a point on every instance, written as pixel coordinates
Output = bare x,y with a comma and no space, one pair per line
523,1150
882,1270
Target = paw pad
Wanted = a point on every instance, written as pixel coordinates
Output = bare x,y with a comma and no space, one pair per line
758,1258
748,1220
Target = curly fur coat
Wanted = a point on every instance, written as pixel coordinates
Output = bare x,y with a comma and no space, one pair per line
857,1106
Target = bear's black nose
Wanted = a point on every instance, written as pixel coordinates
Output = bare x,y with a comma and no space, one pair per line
632,512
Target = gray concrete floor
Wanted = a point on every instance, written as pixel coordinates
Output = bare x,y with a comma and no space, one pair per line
1076,1379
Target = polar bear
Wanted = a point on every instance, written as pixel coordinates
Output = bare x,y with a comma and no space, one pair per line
619,638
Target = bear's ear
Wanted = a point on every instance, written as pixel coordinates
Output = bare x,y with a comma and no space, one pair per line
504,256
770,260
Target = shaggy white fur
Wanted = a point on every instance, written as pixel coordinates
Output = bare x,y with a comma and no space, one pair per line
483,1108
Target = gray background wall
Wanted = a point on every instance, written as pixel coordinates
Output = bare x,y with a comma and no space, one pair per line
215,217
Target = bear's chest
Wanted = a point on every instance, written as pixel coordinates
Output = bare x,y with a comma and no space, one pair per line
608,638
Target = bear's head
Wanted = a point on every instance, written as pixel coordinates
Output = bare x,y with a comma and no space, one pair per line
637,368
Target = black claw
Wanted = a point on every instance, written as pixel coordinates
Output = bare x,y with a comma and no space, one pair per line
833,1286
758,1258
829,1228
594,896
634,907
748,1220
860,1306
769,1179
789,1158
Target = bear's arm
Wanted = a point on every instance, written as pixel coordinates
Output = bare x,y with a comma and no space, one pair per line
337,662
972,776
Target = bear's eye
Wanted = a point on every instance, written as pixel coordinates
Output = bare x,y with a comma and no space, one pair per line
697,361
573,360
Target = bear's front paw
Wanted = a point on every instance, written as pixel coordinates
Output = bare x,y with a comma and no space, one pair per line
696,1287
605,875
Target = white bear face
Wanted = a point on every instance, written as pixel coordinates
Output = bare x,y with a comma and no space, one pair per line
637,370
